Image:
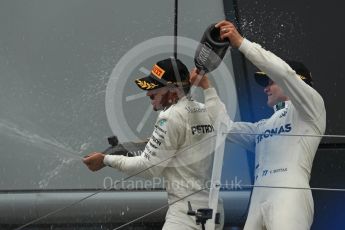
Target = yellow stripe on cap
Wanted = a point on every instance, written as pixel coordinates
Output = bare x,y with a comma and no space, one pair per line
261,73
302,77
157,71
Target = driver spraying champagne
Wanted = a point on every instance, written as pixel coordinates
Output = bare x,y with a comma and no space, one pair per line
180,148
280,161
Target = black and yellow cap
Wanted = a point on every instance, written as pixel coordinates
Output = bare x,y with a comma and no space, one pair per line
301,70
165,72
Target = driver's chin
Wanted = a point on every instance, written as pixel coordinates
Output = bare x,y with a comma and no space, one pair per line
157,107
270,102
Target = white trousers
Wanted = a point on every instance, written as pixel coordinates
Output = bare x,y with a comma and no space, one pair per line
280,209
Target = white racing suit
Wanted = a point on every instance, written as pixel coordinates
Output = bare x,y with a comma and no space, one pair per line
280,161
181,150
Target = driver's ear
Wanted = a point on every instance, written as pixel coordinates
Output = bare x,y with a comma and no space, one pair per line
175,91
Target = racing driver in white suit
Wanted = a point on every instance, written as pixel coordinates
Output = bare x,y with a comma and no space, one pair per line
280,161
180,149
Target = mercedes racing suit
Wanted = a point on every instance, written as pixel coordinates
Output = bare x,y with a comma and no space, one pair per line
280,161
181,150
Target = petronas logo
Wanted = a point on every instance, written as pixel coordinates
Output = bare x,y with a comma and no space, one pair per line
162,122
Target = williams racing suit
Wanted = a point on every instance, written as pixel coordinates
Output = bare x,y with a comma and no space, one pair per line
280,161
181,150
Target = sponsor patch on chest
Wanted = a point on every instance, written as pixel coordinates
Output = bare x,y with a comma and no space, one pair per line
202,129
274,131
195,109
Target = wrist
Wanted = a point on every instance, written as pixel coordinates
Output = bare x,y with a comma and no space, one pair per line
205,82
239,42
205,86
103,161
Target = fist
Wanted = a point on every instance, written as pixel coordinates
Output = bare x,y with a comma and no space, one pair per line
229,31
198,80
94,161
